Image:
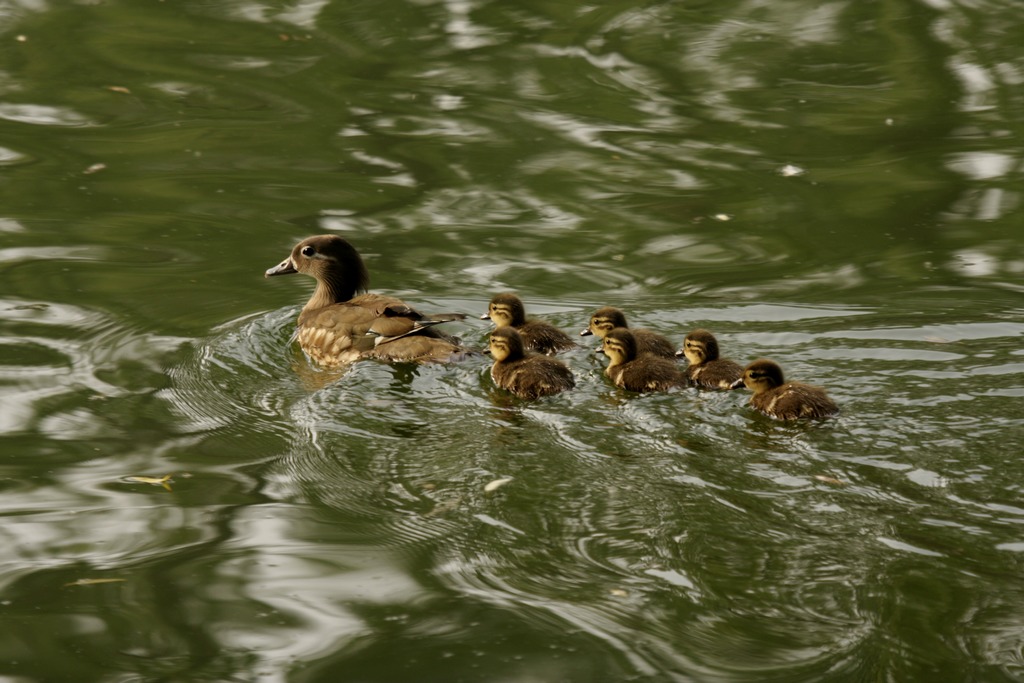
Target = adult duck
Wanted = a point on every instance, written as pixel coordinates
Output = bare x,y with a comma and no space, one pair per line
341,323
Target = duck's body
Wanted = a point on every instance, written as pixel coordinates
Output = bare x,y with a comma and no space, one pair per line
706,369
339,324
507,310
634,372
608,318
775,397
525,374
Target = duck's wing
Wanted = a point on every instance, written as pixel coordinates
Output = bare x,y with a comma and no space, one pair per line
418,348
794,400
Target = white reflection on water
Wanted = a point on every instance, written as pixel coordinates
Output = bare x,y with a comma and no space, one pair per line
43,115
66,349
681,535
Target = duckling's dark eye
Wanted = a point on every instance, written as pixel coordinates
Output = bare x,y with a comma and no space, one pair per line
308,250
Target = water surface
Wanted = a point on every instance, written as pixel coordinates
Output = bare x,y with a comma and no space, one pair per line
835,186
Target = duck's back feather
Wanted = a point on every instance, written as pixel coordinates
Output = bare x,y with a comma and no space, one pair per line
794,400
544,337
533,376
648,342
715,374
647,373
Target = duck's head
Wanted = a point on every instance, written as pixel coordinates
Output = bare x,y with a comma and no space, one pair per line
619,345
761,375
700,346
504,310
604,321
336,265
505,343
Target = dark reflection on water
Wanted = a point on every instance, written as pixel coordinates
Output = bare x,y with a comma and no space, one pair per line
833,186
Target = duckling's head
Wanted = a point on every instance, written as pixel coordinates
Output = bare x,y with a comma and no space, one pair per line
700,346
619,345
604,321
504,310
505,343
761,375
330,259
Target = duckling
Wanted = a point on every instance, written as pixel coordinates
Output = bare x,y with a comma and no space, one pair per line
777,398
634,372
340,324
506,310
706,369
608,318
526,374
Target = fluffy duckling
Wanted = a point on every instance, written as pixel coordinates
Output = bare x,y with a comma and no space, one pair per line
775,397
635,372
608,318
506,310
340,323
526,374
706,369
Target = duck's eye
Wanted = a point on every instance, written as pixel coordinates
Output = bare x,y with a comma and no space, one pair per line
308,250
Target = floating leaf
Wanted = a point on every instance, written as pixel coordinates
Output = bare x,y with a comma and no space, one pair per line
829,480
93,582
156,481
119,88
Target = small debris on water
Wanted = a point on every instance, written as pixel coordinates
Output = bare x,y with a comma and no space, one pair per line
789,170
95,168
93,582
496,484
829,480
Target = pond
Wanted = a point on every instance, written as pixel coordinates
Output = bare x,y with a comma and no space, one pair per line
835,186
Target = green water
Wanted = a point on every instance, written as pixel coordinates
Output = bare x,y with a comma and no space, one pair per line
832,185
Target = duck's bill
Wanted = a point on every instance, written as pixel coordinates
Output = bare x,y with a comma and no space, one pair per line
738,384
285,267
586,332
485,316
